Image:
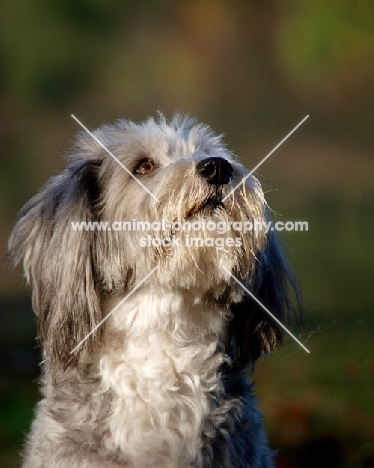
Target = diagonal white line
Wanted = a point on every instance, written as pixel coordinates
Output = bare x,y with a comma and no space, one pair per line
266,309
265,158
114,157
113,310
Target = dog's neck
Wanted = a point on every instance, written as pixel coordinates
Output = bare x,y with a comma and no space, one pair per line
181,315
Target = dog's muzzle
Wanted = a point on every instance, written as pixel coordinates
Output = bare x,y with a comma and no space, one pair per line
216,171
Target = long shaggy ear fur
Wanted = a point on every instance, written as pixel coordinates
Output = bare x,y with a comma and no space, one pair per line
253,331
58,261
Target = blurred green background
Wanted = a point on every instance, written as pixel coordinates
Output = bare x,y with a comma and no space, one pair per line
252,69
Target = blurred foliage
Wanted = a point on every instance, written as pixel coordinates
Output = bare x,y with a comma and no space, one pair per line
322,38
253,70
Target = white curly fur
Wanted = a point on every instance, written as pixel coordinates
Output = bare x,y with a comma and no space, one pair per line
161,376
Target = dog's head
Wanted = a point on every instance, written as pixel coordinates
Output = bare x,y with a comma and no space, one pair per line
165,192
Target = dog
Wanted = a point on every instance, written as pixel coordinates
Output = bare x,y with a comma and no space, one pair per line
147,337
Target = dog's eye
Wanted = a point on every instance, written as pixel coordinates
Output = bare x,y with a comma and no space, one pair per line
144,166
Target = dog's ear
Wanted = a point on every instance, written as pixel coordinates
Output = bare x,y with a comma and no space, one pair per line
58,261
253,331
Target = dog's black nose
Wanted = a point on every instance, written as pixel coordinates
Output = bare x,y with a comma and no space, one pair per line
215,170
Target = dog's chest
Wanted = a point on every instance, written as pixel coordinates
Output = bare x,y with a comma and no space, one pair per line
162,396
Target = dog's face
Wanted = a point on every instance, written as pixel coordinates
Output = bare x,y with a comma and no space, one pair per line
189,172
177,180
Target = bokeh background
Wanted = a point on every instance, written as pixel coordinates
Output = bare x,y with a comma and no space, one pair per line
252,69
